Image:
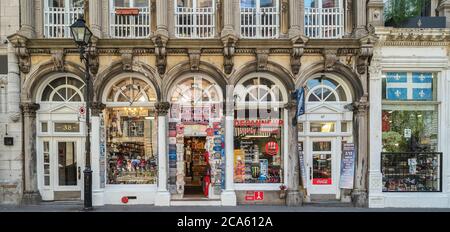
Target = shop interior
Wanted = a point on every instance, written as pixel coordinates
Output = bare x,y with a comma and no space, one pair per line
195,166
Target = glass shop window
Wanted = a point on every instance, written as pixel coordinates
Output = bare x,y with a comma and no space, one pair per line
410,129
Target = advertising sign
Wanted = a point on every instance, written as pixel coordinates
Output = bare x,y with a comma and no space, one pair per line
301,159
348,166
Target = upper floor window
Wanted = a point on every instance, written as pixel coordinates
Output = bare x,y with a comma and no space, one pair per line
324,19
195,18
59,15
130,18
260,19
63,89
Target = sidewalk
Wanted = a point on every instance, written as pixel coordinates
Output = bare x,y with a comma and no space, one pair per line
77,207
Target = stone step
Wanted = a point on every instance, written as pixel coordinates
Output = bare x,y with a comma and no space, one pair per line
196,202
328,204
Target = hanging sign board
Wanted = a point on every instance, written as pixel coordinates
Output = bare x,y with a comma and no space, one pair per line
348,166
127,11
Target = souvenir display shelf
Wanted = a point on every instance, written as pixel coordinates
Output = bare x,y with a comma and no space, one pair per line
412,172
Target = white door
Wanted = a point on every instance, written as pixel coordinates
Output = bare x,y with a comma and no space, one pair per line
322,161
67,156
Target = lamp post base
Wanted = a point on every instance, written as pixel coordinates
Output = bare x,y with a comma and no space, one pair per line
87,189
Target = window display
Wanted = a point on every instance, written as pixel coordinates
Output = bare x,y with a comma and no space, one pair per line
258,151
411,172
131,148
410,127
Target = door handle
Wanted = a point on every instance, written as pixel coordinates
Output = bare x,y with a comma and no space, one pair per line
79,173
310,172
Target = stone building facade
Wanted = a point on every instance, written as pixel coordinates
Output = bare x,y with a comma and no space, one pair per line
148,60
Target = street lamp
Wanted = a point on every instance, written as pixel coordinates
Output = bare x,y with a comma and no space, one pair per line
82,37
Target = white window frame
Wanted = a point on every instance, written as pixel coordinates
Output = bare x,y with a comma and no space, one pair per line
259,31
66,15
125,22
197,15
318,14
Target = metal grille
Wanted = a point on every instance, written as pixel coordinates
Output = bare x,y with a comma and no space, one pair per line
130,26
262,23
412,172
324,23
194,22
57,21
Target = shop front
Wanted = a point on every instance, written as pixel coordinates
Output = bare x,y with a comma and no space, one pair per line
325,127
196,139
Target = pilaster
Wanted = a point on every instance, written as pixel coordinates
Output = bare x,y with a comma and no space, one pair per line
375,9
95,17
294,196
162,196
27,19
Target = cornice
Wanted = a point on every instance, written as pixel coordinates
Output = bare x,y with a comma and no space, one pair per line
389,36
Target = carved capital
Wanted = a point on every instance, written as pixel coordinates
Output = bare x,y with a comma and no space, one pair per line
162,108
160,42
361,108
58,56
298,48
127,59
194,59
364,56
262,58
19,42
229,49
29,109
330,58
97,108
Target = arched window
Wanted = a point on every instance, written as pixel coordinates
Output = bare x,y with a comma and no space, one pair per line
258,89
64,89
132,91
324,89
196,91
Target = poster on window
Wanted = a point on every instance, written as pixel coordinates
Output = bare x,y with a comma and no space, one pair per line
348,166
239,166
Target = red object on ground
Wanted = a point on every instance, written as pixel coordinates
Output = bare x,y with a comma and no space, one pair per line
207,180
124,200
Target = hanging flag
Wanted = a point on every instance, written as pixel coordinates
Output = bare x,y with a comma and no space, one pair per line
300,102
401,87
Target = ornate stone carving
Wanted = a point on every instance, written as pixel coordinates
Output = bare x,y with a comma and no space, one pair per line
262,58
194,59
19,42
97,108
365,55
361,107
161,53
127,59
162,108
229,49
58,56
29,109
94,62
298,50
330,58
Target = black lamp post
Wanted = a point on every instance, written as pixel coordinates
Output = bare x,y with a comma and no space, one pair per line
82,37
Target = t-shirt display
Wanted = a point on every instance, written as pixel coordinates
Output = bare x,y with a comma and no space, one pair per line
131,157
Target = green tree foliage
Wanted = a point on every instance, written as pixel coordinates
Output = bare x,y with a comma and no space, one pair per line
397,11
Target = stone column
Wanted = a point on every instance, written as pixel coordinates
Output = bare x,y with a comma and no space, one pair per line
162,195
296,18
31,193
294,197
97,191
95,17
13,89
376,199
228,16
27,18
161,18
444,10
360,20
434,5
359,194
376,15
228,195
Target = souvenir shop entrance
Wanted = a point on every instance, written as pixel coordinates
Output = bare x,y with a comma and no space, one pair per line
196,151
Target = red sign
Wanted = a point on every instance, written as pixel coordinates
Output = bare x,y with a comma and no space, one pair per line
259,123
322,181
127,11
254,196
272,148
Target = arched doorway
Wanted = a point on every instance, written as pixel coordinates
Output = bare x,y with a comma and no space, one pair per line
196,154
131,132
323,130
260,133
60,137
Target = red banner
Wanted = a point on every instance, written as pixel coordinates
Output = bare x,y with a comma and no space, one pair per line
322,181
127,11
